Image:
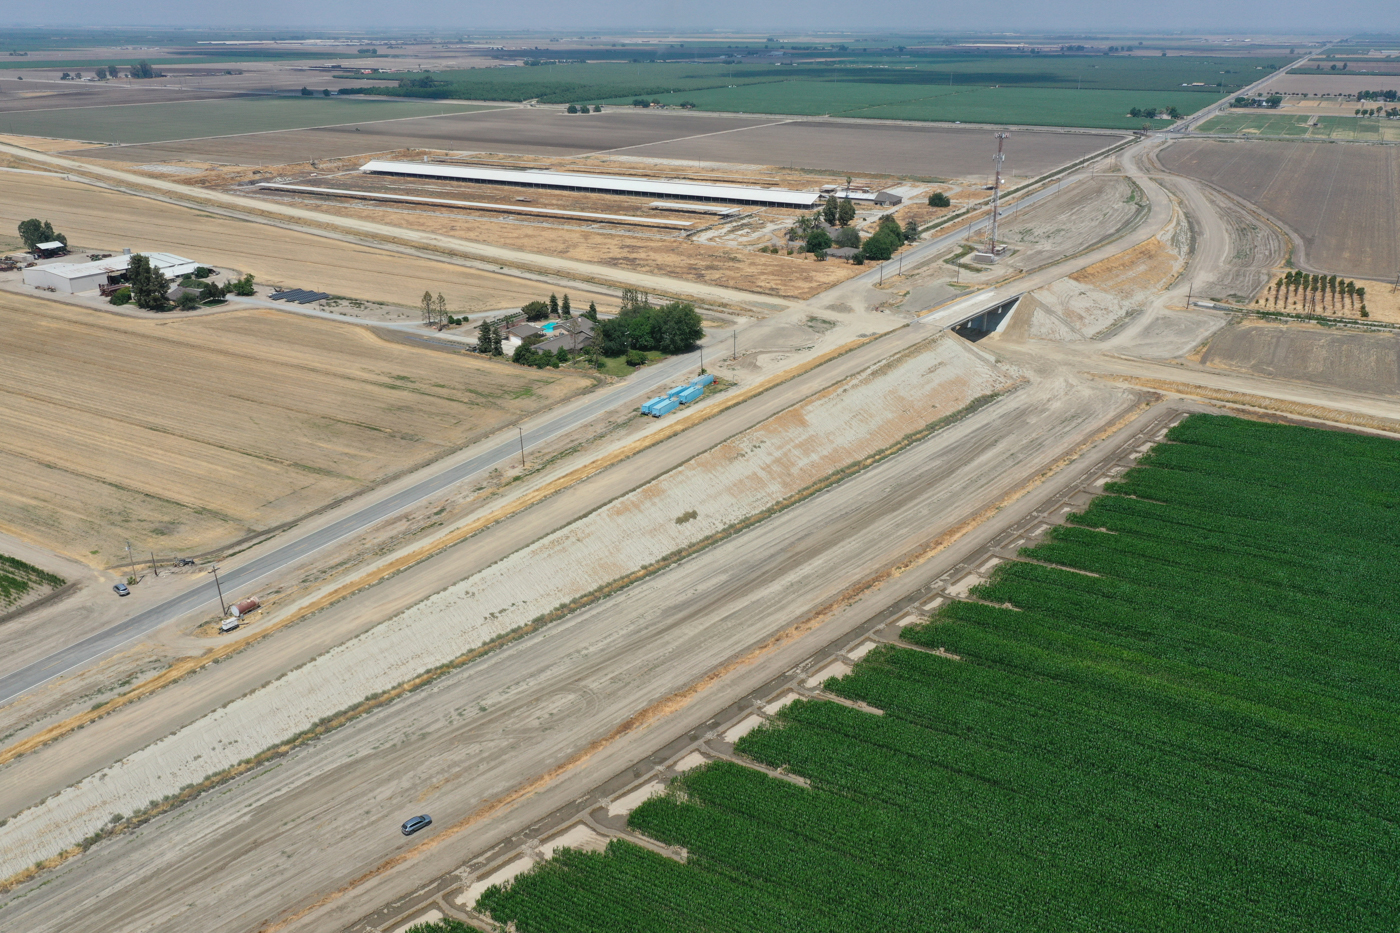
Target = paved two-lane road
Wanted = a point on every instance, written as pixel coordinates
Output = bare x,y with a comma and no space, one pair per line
238,578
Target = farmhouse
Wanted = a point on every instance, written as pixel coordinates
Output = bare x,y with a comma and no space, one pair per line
598,184
74,277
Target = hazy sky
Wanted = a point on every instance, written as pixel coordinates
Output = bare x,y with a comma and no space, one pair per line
592,16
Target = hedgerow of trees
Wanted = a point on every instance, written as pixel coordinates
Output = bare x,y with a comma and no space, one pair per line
639,326
1311,293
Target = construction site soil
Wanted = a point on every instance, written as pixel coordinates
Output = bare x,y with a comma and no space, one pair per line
1339,200
832,146
102,219
1358,362
187,434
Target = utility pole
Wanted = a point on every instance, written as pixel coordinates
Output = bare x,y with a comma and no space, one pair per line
223,610
132,559
154,571
996,191
735,335
702,361
522,446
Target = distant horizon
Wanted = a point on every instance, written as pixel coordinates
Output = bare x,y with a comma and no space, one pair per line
592,17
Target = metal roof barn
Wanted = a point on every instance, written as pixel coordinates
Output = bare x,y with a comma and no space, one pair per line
599,184
73,277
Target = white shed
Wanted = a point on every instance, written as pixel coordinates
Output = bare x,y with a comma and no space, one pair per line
75,277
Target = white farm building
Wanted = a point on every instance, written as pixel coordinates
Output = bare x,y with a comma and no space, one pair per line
599,184
74,277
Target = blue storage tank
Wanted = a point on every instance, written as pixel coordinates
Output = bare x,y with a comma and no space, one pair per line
690,394
664,407
703,380
646,409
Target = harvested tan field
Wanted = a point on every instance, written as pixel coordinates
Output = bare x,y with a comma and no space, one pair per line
43,144
1354,361
1338,199
95,218
186,435
797,276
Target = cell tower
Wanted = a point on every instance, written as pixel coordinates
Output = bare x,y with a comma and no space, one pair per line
996,193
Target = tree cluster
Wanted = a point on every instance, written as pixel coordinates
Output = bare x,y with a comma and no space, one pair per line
838,212
33,232
1311,293
143,69
147,283
887,239
1155,113
488,337
939,199
435,309
671,328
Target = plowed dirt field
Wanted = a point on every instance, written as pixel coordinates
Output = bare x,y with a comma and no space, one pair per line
1339,200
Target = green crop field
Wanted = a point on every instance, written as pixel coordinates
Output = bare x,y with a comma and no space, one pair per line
1019,105
1050,90
148,123
1276,123
1178,714
18,580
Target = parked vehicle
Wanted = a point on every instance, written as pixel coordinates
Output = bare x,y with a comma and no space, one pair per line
121,589
418,822
185,562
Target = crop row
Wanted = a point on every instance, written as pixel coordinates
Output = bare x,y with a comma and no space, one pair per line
1195,733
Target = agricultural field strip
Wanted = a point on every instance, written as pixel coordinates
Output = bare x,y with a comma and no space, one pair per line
737,479
1093,722
253,116
1083,481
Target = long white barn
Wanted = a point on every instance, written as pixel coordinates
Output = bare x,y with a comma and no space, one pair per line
600,184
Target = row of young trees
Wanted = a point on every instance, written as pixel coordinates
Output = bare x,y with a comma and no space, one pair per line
583,108
1155,113
1311,293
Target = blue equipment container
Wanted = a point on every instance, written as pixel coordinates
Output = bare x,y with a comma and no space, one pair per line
646,409
690,394
703,380
663,407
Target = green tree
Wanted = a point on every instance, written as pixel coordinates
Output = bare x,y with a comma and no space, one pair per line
847,237
536,310
883,244
911,231
845,212
565,309
636,357
143,69
597,108
440,306
33,232
242,287
148,284
428,307
939,199
483,336
187,301
553,304
818,239
325,92
592,313
562,355
306,92
573,108
830,210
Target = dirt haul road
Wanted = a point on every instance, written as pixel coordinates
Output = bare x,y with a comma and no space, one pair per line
273,840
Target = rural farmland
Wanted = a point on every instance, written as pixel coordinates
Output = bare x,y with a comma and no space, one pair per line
1339,200
1022,753
198,432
